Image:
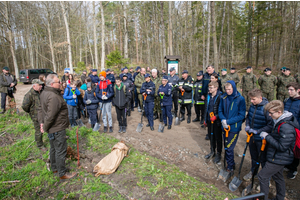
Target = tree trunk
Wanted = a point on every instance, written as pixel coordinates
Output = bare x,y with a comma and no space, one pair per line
208,34
203,41
216,56
50,41
163,28
170,29
11,39
282,35
125,30
68,36
136,41
222,25
102,37
95,34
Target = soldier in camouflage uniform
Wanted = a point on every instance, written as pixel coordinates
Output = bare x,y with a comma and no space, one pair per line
224,78
138,82
278,77
234,76
248,83
283,81
297,77
157,109
30,105
267,83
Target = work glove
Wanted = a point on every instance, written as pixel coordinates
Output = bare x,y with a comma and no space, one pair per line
253,131
104,97
205,124
224,124
263,135
247,128
74,96
214,118
88,101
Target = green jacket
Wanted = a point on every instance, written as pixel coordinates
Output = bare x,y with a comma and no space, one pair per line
138,82
235,77
31,103
267,83
282,82
4,85
248,82
157,83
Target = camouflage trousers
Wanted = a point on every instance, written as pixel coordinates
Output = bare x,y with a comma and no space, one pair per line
282,97
269,96
141,100
247,99
157,108
38,135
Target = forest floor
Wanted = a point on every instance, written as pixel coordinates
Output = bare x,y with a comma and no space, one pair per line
167,165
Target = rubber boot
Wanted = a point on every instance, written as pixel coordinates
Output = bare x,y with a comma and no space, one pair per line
210,155
196,119
160,117
189,119
217,158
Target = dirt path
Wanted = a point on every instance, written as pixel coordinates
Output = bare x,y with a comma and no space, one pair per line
183,146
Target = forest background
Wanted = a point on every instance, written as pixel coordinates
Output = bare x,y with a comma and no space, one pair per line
109,34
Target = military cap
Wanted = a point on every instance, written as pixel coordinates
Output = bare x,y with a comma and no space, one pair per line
249,67
172,69
283,68
232,68
125,75
267,69
224,69
288,69
6,68
37,81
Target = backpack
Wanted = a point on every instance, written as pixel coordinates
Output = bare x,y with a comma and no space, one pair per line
296,149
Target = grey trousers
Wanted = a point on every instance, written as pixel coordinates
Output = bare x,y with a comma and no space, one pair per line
72,111
106,110
274,171
58,152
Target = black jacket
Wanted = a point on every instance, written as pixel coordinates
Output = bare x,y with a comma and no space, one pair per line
121,97
280,144
216,108
187,85
94,100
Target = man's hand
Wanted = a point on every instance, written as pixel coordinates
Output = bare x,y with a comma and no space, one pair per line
148,90
144,94
12,85
224,124
203,97
162,93
180,87
42,128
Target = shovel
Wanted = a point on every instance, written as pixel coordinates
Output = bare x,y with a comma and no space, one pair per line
249,188
98,125
224,174
140,126
236,181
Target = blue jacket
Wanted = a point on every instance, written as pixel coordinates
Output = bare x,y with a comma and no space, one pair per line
293,105
68,96
205,82
95,79
129,76
111,77
150,95
259,119
167,98
91,96
234,113
102,87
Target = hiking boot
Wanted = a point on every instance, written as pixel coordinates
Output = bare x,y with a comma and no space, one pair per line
189,119
170,126
248,176
210,155
291,174
206,137
166,124
2,112
139,109
152,129
120,129
124,129
105,129
68,176
196,119
155,116
182,119
217,158
147,125
202,121
111,129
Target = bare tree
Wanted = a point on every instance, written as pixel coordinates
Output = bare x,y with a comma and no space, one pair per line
125,30
163,28
208,34
102,37
170,29
95,34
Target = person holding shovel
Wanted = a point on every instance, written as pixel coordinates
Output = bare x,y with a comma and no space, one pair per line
165,94
148,90
280,143
213,122
91,101
257,121
232,111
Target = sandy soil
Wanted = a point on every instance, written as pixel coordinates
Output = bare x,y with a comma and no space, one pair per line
183,146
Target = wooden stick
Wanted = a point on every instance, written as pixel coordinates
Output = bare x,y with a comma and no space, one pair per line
30,144
16,181
2,133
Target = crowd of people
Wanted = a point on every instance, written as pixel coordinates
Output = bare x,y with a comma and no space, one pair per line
54,104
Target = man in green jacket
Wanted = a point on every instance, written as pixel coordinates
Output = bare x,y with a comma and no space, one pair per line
138,82
234,76
283,81
267,83
8,84
248,83
31,103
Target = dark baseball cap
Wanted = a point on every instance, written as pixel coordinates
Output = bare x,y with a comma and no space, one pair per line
125,75
249,67
232,68
137,68
267,69
147,75
94,70
165,77
288,69
108,70
6,68
184,72
200,73
172,69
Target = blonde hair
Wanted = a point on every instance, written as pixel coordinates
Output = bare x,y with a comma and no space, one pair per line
226,85
275,105
215,84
